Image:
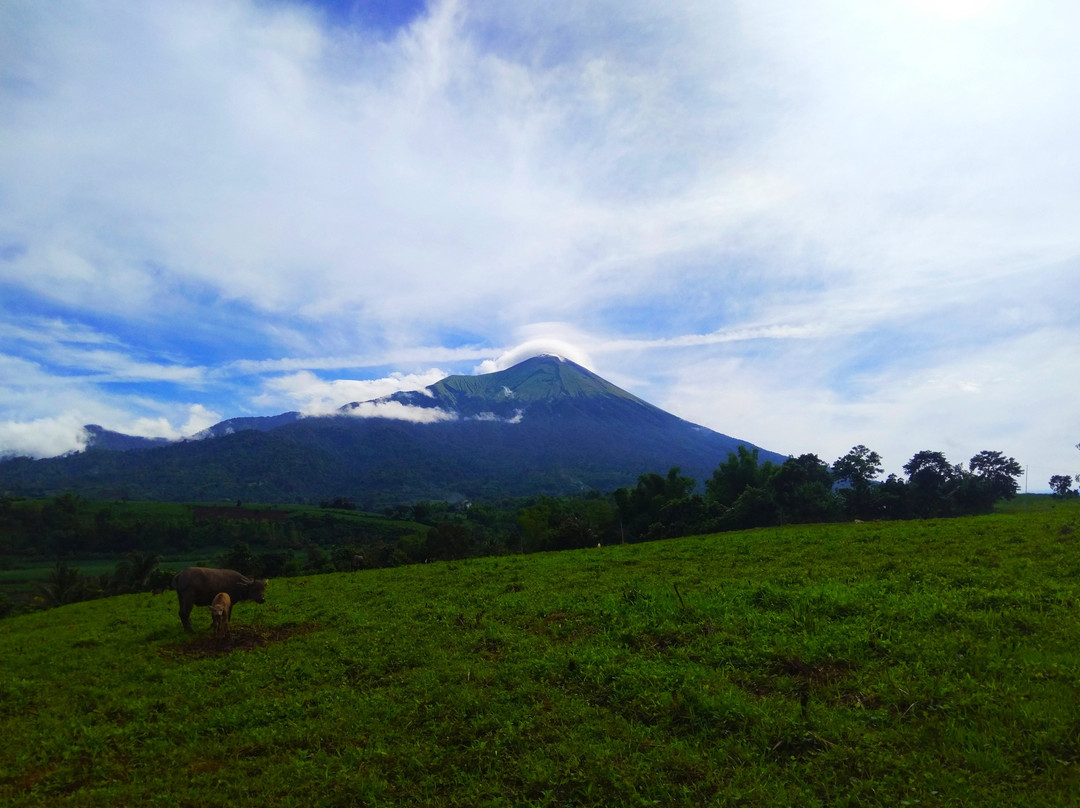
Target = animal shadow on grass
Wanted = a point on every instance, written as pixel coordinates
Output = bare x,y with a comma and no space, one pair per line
241,638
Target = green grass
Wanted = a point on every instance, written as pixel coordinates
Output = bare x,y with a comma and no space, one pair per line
923,663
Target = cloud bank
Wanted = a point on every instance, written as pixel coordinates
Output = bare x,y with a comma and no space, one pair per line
399,412
807,225
312,395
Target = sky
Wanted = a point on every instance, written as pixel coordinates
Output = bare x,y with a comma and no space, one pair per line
806,225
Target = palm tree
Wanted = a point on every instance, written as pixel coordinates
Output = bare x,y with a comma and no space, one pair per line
133,574
63,585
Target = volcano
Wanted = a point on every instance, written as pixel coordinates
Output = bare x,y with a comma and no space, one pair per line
544,426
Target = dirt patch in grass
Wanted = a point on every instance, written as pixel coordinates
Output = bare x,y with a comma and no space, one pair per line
792,675
563,627
29,778
241,638
810,672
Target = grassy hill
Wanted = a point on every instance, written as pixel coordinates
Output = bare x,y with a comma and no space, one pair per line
919,663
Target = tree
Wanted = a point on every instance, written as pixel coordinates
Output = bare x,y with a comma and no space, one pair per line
736,474
448,541
1061,485
241,559
641,508
63,585
755,507
894,498
931,470
802,488
998,472
933,482
317,561
858,468
277,565
134,573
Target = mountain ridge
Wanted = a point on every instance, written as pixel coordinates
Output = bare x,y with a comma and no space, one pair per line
543,426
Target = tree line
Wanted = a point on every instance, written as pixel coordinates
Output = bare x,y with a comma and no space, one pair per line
741,493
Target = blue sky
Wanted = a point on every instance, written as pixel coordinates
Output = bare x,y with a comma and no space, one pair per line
807,225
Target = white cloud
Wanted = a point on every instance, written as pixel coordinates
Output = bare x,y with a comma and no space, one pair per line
955,10
399,412
43,437
536,347
1018,398
199,418
50,330
333,176
516,418
118,366
312,395
46,411
390,356
65,432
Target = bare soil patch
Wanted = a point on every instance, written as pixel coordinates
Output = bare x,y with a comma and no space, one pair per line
241,638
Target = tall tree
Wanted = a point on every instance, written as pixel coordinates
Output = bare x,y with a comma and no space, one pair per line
63,585
998,472
241,559
640,508
733,476
858,468
802,488
1061,485
134,572
933,482
931,470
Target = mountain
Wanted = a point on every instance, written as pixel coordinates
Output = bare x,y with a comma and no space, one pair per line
546,425
98,437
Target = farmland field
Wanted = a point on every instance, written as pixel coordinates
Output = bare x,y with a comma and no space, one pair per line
920,663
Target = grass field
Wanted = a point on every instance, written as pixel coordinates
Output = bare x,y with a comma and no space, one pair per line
922,663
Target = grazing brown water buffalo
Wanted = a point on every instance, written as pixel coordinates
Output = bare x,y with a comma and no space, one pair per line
197,586
220,612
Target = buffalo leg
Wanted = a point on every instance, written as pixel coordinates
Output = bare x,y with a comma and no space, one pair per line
185,614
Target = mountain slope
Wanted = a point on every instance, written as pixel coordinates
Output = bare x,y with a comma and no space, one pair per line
546,425
541,378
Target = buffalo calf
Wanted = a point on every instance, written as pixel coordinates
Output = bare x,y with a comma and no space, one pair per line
220,612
